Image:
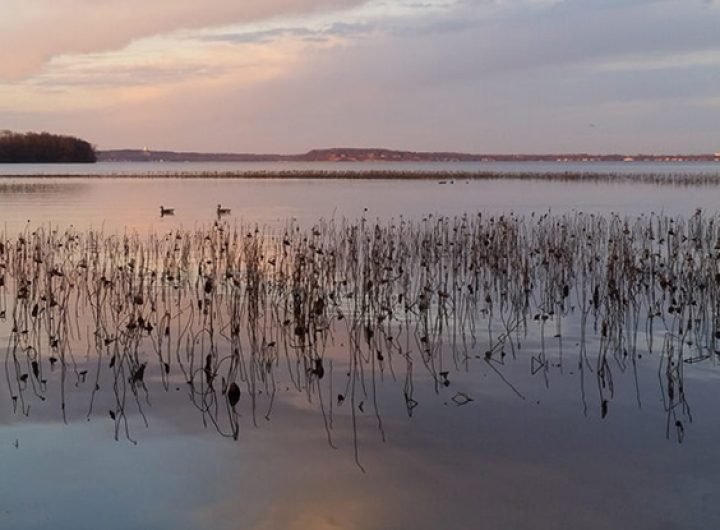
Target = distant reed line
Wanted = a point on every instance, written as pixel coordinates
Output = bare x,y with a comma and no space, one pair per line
447,177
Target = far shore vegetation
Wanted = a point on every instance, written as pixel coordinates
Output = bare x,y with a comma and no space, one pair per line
38,148
709,178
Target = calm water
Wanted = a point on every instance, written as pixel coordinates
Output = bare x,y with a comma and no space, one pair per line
135,203
501,461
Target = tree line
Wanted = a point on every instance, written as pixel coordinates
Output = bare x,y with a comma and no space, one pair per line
44,148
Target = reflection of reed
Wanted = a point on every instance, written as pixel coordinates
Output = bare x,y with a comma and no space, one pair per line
221,309
39,186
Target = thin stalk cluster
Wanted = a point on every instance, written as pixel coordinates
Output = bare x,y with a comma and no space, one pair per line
234,314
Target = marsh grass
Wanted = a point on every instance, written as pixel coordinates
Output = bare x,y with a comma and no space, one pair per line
443,176
231,310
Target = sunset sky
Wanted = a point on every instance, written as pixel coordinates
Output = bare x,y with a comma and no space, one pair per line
286,76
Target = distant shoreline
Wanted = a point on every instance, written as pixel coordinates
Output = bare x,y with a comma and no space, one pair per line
343,154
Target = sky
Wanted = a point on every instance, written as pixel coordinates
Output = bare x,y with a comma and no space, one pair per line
286,76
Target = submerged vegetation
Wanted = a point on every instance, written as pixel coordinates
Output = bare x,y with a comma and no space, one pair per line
44,148
232,313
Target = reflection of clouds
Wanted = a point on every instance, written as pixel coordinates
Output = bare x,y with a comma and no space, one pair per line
472,470
502,479
304,512
502,464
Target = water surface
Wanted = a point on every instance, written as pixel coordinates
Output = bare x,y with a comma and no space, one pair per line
545,459
134,204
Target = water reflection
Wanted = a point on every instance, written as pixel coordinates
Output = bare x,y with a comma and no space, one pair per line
343,316
503,461
531,450
133,204
35,187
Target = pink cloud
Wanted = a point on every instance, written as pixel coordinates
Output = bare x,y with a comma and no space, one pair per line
33,33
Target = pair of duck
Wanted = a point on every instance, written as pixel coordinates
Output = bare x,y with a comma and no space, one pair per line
171,211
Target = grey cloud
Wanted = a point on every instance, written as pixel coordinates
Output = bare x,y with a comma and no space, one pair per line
522,80
566,34
518,83
125,76
269,35
255,36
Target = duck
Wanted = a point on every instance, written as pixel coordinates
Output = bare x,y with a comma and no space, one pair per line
166,211
222,211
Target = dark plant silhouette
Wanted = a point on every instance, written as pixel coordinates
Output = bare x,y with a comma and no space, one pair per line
235,314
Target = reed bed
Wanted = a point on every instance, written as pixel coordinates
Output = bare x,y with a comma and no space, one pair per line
228,311
711,178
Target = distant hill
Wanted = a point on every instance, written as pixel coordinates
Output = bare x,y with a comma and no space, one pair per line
44,148
346,154
143,155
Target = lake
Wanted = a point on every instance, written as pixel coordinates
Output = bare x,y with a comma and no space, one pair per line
481,354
